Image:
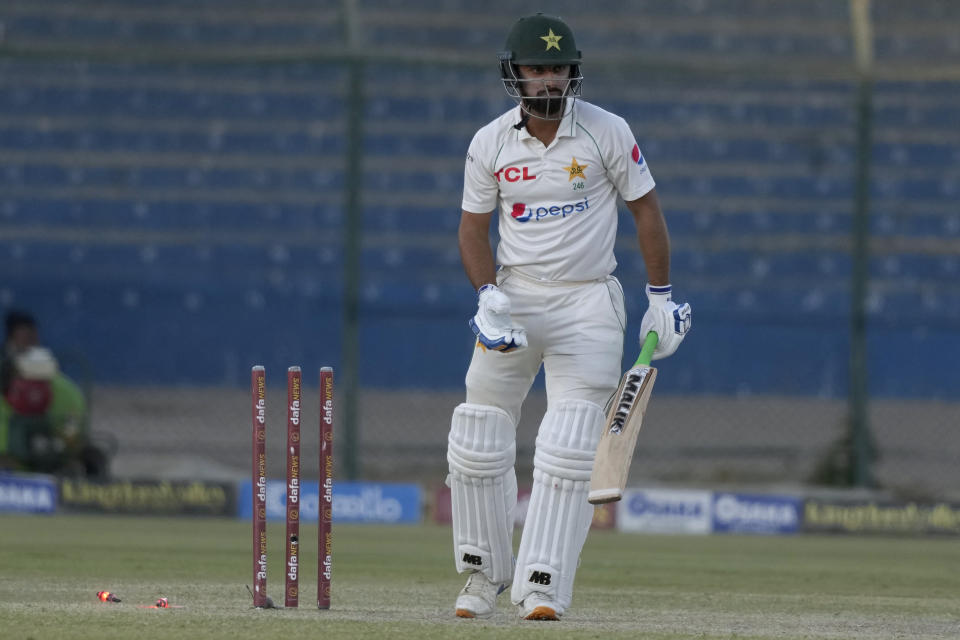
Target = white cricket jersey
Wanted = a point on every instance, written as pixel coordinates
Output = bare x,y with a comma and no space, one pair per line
558,204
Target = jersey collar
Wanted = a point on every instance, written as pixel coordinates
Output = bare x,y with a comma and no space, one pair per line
567,129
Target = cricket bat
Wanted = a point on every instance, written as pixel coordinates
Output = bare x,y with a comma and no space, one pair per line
619,439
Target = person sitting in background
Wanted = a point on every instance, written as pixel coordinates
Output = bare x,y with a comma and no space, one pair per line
27,369
43,414
21,334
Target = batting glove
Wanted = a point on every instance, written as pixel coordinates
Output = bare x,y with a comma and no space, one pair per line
670,320
492,324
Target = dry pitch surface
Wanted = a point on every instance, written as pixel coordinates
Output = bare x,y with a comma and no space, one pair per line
398,582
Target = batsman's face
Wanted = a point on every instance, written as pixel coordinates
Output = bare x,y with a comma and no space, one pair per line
543,80
544,88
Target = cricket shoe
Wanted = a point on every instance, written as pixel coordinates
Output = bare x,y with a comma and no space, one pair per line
537,606
478,598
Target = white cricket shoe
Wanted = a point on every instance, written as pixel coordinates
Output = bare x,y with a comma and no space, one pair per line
478,598
537,606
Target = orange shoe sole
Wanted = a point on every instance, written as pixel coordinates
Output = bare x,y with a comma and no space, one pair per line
464,613
542,613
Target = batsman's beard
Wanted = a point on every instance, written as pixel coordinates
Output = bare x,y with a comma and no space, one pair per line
549,107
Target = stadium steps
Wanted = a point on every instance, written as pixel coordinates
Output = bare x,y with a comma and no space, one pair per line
140,188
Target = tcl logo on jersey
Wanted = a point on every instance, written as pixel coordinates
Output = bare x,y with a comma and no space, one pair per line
524,213
514,174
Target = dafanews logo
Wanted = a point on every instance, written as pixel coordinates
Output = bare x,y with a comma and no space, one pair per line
525,213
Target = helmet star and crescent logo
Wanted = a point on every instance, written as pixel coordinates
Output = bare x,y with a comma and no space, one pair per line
552,40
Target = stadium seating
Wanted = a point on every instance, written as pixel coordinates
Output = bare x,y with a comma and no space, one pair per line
198,193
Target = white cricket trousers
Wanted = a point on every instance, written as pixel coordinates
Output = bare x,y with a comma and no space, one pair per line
574,329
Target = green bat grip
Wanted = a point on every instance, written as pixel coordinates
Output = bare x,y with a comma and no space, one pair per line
646,353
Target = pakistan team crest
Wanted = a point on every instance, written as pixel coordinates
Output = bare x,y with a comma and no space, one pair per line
576,172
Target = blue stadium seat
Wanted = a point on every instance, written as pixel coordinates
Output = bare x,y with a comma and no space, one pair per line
152,191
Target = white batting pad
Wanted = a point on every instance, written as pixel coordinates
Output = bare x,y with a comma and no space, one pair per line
481,450
559,515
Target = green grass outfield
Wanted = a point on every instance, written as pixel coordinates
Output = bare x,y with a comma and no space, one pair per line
398,582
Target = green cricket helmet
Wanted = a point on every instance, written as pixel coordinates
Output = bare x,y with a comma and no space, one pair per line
540,40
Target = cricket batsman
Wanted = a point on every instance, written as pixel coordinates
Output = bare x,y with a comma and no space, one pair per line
553,166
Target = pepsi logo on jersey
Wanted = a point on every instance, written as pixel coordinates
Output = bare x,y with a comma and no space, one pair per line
524,213
514,174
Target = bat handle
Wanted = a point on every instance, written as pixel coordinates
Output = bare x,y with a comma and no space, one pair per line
646,353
